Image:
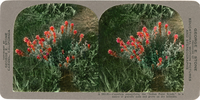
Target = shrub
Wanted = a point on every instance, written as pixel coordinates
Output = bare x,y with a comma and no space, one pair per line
67,49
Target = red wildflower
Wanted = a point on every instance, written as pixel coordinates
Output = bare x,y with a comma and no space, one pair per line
46,33
33,48
131,57
49,49
166,57
67,59
26,39
19,52
88,46
54,41
34,42
128,42
133,44
62,28
29,50
169,33
134,52
37,37
54,35
138,57
81,37
122,50
140,34
110,52
159,24
155,28
147,35
75,31
160,60
52,28
38,56
175,37
47,53
41,43
144,29
28,43
122,43
72,26
182,46
73,57
132,38
118,40
45,57
66,23
42,39
147,42
40,50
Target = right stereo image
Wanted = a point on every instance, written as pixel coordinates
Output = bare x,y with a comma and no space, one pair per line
141,49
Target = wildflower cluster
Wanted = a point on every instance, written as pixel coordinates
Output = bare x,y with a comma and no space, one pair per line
56,42
150,48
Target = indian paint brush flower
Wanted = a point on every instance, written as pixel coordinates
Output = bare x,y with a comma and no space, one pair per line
144,29
122,50
140,34
110,52
138,57
132,38
49,49
33,48
81,37
121,43
62,28
54,35
47,53
54,41
159,25
37,37
166,25
160,60
88,45
166,57
51,28
128,42
147,42
72,26
26,39
34,42
42,39
175,37
45,57
131,57
118,40
75,31
29,50
38,56
67,59
29,43
168,33
134,52
133,44
40,50
73,57
155,28
66,24
182,46
41,43
19,52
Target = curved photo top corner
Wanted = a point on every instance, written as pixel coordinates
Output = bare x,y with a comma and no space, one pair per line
141,49
55,48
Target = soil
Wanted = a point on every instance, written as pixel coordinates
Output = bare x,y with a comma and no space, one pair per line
66,84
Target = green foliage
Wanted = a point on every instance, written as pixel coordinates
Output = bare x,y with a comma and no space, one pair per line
174,74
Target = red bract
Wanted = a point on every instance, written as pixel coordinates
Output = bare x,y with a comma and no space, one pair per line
72,26
38,56
88,46
33,48
166,25
147,35
26,39
133,44
75,31
122,49
54,41
41,43
40,50
169,33
67,59
144,29
147,42
159,24
42,39
49,49
47,53
34,42
29,50
118,40
175,37
66,23
110,52
54,35
37,37
62,28
52,28
155,28
166,57
132,38
81,35
131,57
19,52
28,43
182,46
160,59
73,57
140,34
45,57
128,42
134,52
138,57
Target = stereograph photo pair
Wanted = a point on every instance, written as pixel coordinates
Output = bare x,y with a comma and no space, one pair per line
83,50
